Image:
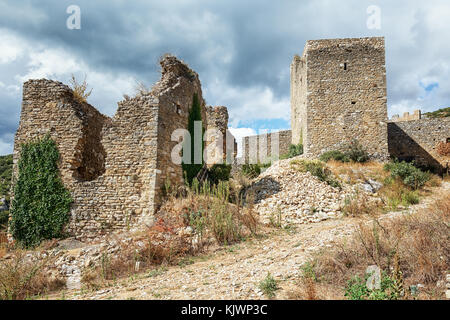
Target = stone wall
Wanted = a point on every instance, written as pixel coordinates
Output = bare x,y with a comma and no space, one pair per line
416,115
299,124
345,96
220,143
115,168
265,147
418,140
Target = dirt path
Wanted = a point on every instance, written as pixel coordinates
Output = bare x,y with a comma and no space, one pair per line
235,272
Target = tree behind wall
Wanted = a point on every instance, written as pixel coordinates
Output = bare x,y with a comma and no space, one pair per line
195,114
41,204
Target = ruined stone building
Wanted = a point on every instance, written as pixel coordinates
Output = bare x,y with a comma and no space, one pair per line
338,94
115,168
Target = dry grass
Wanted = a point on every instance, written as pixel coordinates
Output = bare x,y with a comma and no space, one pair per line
161,244
21,278
3,244
208,214
419,241
362,204
80,91
356,171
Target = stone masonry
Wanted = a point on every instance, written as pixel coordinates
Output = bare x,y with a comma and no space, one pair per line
416,115
338,93
264,147
115,168
220,143
418,140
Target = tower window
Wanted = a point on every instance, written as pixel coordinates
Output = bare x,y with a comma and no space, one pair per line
345,65
353,102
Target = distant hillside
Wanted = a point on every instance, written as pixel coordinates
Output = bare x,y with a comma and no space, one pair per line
441,113
6,163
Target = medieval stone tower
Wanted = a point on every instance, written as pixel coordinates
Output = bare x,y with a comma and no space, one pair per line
338,93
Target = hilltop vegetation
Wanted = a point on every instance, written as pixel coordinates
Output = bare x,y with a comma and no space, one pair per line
441,113
6,163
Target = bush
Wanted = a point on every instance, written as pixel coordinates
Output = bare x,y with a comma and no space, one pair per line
357,290
251,170
6,164
351,152
41,203
408,173
317,169
334,155
210,211
410,248
294,150
4,216
219,172
411,198
268,286
355,152
22,279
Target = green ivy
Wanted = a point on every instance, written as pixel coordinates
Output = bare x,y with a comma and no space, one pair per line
6,164
41,204
195,114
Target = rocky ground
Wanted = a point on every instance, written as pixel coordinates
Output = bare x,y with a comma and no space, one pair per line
299,196
234,272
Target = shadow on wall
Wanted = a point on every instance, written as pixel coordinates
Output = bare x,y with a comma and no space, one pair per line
404,148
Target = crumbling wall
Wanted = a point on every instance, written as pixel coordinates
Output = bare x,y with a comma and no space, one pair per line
221,146
262,148
345,96
115,168
418,140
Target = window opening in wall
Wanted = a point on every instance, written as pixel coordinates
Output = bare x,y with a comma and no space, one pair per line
353,102
345,65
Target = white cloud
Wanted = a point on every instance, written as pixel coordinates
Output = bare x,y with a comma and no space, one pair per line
239,133
11,47
248,103
59,64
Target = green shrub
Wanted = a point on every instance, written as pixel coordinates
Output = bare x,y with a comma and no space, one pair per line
317,169
268,286
294,150
219,172
357,290
351,152
4,216
441,113
41,203
355,152
195,114
251,170
334,155
6,165
408,173
410,197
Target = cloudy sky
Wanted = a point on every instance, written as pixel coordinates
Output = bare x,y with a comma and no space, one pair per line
241,49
